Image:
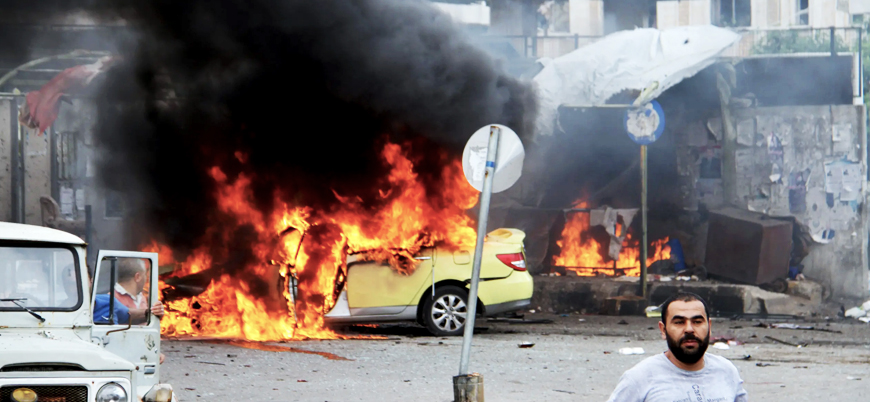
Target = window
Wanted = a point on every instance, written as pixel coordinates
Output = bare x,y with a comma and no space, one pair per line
115,206
554,17
123,287
802,17
39,278
735,13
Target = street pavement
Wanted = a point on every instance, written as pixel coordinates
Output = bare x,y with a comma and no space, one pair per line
574,358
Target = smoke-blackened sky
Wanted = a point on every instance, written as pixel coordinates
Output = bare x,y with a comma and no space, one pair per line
306,91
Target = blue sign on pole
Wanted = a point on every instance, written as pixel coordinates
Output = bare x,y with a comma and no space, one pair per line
645,124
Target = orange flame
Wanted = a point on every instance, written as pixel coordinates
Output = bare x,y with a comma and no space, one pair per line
254,303
585,256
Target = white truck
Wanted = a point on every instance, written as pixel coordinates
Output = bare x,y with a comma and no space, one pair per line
51,349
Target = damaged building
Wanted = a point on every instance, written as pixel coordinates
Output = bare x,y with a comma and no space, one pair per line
753,125
48,172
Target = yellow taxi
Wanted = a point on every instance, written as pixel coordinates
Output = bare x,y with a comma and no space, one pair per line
436,293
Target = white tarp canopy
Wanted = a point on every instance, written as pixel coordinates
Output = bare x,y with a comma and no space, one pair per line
637,60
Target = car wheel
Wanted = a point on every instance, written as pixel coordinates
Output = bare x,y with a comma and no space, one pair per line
445,314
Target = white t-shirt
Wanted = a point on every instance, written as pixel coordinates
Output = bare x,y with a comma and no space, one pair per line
656,379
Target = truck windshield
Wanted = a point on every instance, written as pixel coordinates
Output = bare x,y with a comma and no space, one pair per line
43,278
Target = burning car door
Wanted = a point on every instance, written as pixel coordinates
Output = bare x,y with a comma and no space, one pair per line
377,289
125,284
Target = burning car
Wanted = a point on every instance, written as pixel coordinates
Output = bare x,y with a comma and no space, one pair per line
435,294
51,349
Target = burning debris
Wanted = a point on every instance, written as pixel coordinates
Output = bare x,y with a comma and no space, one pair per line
587,243
309,244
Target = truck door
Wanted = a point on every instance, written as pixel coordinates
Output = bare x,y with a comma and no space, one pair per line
125,282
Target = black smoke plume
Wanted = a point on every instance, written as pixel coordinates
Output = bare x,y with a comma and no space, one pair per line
303,92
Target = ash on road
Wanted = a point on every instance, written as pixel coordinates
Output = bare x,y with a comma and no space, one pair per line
575,358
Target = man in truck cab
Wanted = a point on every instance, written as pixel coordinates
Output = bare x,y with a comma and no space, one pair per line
132,277
131,305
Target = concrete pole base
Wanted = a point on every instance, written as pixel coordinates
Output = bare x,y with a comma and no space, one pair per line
468,388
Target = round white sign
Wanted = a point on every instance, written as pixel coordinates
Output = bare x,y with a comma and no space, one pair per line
508,164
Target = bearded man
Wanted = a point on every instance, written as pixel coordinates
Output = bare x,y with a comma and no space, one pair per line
685,372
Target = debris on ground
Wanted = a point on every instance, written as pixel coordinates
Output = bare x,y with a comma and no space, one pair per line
526,345
859,312
764,364
520,320
785,342
631,351
787,325
721,346
728,340
653,311
853,378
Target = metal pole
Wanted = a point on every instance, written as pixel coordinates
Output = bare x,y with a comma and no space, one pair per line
112,277
88,227
734,13
486,194
861,60
643,191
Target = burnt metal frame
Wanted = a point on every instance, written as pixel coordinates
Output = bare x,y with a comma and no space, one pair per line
616,271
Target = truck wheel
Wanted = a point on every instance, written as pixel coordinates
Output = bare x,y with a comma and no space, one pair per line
445,314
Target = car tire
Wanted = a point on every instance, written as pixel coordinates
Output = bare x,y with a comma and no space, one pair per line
445,314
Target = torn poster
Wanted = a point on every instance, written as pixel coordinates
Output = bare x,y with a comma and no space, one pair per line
609,218
745,161
843,180
852,181
746,132
797,190
710,162
714,125
696,134
841,135
66,201
820,216
709,191
80,199
775,153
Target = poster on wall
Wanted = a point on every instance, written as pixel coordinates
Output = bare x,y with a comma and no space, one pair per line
820,220
710,162
775,153
66,201
843,180
797,190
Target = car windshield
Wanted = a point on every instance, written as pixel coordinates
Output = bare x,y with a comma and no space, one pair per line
46,277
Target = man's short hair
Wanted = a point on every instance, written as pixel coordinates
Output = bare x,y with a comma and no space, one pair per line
129,267
684,297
